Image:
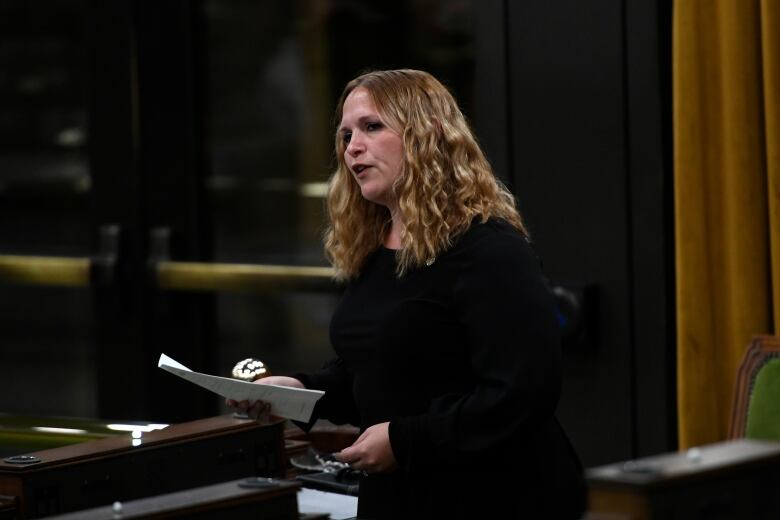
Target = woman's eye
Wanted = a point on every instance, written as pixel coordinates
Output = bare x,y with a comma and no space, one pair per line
347,137
373,126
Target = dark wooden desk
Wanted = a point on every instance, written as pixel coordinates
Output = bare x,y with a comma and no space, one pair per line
181,456
278,501
734,480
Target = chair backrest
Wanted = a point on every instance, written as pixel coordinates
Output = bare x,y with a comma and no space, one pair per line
755,412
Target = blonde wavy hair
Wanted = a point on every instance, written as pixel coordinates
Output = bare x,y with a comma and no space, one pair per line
444,183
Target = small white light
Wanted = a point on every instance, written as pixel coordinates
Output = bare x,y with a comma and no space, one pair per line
135,427
117,507
137,434
137,442
693,455
70,137
69,431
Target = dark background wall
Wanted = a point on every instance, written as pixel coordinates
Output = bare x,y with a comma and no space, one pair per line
589,104
576,106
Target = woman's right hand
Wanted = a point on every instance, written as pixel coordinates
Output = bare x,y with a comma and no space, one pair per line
260,410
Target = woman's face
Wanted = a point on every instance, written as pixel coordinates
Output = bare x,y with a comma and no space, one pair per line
373,151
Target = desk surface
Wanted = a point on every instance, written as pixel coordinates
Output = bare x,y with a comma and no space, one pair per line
223,496
184,432
694,463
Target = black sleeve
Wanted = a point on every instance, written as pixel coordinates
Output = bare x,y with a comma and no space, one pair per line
338,404
512,335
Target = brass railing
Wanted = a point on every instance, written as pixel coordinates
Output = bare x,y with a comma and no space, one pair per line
197,276
171,275
45,270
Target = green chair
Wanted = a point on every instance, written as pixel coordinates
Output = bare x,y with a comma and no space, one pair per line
755,412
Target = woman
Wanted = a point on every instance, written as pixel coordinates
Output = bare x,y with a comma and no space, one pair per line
446,339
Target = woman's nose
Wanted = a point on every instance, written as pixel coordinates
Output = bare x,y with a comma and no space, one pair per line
355,146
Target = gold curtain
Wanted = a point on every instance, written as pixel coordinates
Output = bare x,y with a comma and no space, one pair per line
726,82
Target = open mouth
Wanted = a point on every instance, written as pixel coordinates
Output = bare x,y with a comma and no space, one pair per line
359,168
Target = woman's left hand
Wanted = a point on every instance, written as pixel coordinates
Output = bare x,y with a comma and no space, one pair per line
371,452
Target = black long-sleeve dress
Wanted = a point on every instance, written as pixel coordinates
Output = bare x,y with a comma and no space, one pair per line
462,358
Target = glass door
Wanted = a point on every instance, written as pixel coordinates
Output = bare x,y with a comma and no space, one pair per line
46,226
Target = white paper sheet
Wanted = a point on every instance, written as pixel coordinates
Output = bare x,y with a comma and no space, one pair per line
291,403
337,506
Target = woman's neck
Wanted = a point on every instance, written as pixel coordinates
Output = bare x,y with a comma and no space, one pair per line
393,237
